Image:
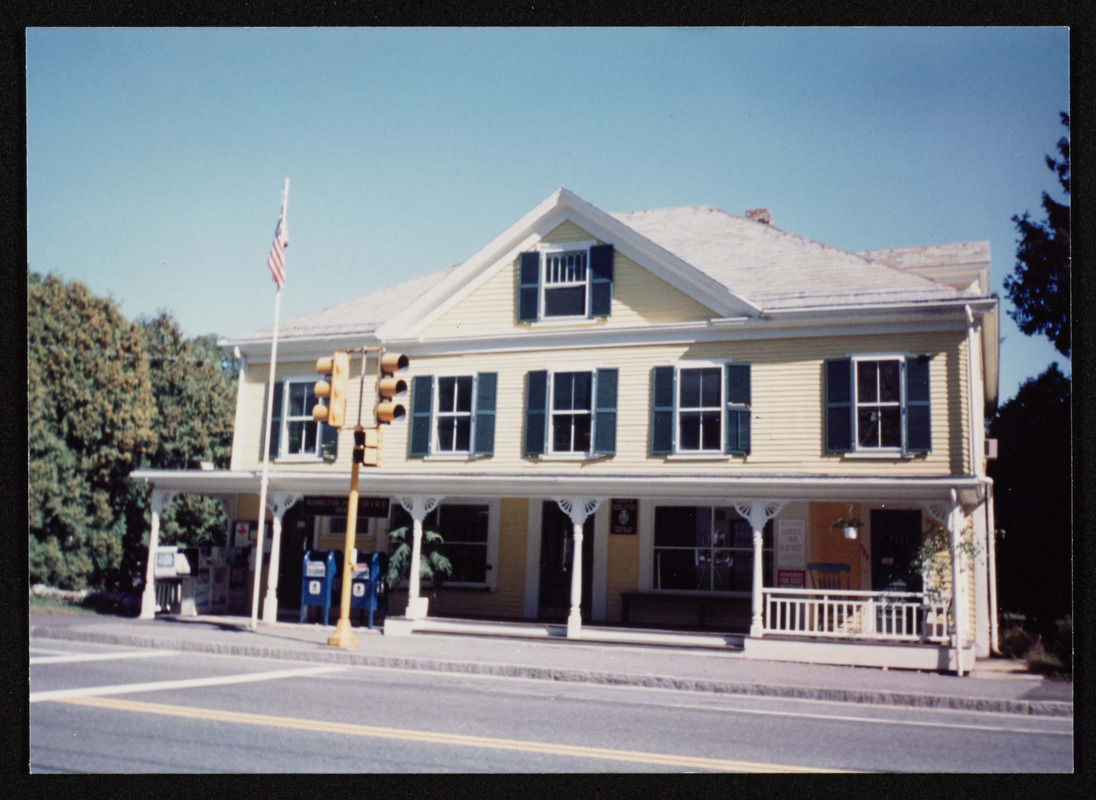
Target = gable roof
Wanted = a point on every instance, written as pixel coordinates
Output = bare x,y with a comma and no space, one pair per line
737,267
777,269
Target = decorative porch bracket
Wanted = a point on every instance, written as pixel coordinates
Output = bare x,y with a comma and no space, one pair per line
947,514
278,503
159,499
578,509
757,513
418,506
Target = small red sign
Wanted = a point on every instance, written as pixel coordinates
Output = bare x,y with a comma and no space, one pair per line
791,578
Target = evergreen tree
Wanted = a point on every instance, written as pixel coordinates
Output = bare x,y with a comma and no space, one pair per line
1032,498
89,420
1039,286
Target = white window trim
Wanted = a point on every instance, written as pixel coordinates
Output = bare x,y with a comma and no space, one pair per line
452,455
547,248
862,451
551,454
283,423
704,455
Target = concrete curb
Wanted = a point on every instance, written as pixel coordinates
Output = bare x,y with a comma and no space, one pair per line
1048,708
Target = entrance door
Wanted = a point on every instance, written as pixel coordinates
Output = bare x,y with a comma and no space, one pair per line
895,539
556,563
296,538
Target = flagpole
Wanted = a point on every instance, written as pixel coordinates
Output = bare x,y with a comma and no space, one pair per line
260,538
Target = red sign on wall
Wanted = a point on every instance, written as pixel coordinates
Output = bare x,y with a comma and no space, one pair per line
791,578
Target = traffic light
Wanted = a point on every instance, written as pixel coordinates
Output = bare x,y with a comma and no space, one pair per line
367,446
390,386
336,368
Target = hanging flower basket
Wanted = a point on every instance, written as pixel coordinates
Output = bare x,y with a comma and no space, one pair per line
850,525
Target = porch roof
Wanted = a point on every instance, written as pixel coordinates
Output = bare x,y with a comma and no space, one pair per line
969,489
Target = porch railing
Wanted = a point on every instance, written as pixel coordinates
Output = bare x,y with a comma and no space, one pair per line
857,614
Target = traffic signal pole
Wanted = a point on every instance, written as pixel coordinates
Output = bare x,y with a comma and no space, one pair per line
386,407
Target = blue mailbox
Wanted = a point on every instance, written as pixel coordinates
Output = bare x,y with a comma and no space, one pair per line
367,584
318,581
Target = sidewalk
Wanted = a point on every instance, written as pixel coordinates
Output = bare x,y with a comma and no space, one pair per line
993,686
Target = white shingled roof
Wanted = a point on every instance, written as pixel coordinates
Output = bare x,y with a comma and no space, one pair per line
753,260
776,269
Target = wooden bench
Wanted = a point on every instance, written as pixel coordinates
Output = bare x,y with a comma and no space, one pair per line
699,604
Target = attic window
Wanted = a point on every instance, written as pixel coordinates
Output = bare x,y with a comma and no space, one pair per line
565,277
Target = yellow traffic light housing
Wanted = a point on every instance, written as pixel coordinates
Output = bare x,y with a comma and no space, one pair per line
390,386
367,443
337,370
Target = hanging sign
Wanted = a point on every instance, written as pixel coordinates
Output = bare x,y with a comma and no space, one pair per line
791,544
328,506
624,516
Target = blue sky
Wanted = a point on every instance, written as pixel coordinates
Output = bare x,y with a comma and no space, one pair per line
156,157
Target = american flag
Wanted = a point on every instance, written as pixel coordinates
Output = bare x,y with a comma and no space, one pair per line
276,260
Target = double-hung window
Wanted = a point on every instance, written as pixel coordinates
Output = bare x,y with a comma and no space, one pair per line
453,415
700,409
707,549
571,413
454,429
565,281
294,435
565,284
878,404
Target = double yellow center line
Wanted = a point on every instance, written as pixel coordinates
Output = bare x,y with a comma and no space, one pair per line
430,737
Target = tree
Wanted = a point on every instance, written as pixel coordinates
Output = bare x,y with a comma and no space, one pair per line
1039,286
1032,479
193,392
89,419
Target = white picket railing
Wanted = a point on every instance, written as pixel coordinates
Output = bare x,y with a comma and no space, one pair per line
857,614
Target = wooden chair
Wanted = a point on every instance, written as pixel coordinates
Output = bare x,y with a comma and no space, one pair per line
832,577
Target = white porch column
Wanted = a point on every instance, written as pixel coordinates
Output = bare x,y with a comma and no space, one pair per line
958,581
159,499
278,503
418,506
758,512
578,509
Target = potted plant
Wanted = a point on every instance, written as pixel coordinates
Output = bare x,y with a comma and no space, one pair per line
850,525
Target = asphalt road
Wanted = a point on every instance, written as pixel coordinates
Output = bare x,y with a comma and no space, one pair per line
99,708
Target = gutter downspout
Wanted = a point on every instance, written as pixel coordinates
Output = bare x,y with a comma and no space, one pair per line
991,547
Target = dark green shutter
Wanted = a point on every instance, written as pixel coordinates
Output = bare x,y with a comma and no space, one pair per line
918,425
529,287
601,280
329,443
838,405
737,439
484,442
422,408
605,411
536,412
275,422
663,380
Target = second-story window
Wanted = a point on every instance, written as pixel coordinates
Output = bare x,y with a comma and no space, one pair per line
571,411
300,433
700,409
879,403
454,414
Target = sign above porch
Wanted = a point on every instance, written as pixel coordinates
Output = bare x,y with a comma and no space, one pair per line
327,506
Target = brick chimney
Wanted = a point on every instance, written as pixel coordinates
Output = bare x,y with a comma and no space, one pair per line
761,215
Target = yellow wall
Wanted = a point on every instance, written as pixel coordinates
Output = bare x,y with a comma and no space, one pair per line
787,394
828,545
638,297
622,572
